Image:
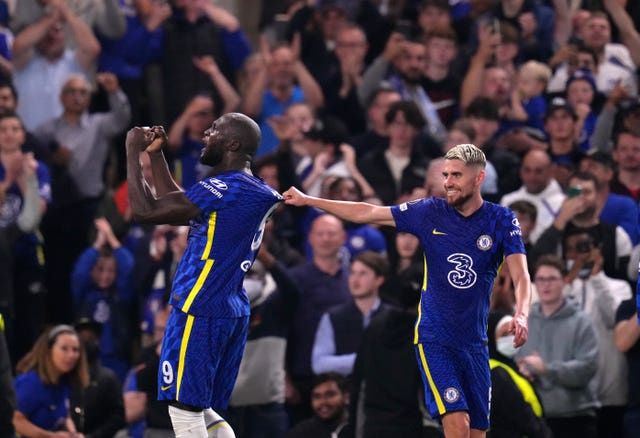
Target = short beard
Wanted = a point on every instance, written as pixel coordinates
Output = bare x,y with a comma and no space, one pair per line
459,202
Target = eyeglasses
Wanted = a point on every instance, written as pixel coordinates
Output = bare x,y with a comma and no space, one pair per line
81,91
542,280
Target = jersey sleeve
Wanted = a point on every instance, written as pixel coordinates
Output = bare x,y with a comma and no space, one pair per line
512,235
410,216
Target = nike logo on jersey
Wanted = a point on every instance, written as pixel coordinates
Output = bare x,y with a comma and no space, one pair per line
438,233
164,388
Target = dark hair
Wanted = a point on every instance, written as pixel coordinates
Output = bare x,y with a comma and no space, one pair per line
374,261
551,260
482,108
383,87
526,208
10,86
265,161
586,176
330,377
443,32
464,126
410,111
12,115
333,186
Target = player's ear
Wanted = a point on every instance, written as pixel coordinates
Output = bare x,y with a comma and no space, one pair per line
233,145
480,177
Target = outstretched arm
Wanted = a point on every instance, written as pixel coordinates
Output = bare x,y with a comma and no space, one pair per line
517,264
173,207
358,212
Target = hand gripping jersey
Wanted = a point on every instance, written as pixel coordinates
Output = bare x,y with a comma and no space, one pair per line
462,256
222,244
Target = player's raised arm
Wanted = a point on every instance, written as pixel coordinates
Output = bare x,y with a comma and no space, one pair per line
358,212
162,179
173,208
517,264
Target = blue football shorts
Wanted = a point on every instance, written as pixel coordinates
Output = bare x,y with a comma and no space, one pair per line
200,358
456,380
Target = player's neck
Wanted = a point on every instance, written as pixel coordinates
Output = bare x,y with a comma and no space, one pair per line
471,206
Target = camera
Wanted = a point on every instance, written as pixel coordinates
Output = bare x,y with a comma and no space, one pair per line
584,246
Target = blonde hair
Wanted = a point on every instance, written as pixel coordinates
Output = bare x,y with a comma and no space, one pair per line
537,71
469,154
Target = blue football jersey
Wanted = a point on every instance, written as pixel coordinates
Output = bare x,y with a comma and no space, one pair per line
462,256
222,244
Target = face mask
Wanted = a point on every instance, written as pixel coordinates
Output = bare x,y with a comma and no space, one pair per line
504,345
583,273
253,287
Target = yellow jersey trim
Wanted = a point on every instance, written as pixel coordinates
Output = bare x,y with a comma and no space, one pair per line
207,265
432,385
183,351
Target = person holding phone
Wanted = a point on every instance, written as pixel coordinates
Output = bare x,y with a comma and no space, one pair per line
579,211
599,296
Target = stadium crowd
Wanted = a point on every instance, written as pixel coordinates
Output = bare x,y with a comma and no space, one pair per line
357,100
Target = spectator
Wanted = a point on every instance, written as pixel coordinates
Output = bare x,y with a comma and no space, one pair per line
281,80
323,282
341,75
377,134
395,171
528,105
105,17
614,60
80,144
195,30
340,329
9,105
627,337
535,23
560,125
402,285
329,401
440,81
560,357
581,94
102,291
538,187
580,211
43,384
24,183
527,215
41,56
599,296
386,397
515,407
482,113
402,64
626,154
612,207
97,410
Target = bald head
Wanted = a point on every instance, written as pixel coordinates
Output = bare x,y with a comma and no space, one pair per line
535,171
238,126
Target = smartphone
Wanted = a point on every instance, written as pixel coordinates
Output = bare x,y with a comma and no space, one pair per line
495,27
404,27
574,191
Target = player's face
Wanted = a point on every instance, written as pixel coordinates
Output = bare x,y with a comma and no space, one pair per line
65,352
461,182
214,141
363,281
327,401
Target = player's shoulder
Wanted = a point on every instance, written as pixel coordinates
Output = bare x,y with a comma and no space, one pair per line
430,202
497,209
